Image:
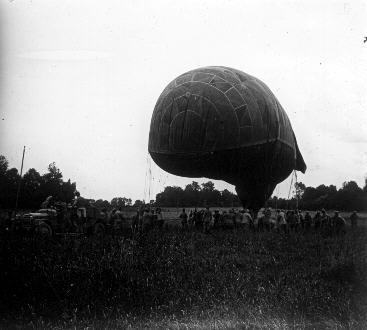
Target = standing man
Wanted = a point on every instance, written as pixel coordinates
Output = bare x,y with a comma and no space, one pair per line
261,222
267,223
135,221
338,223
317,220
216,218
238,218
191,219
247,218
146,220
207,217
325,220
301,222
159,215
307,221
297,221
281,222
223,218
153,218
183,217
354,219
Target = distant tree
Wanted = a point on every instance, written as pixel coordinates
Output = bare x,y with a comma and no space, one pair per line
102,204
68,190
51,184
319,197
120,202
54,174
192,194
138,203
117,202
299,189
351,186
34,188
208,186
3,182
9,179
84,202
30,193
210,195
195,186
349,197
171,196
229,199
3,165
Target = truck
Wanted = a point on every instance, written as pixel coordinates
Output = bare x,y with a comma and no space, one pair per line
63,219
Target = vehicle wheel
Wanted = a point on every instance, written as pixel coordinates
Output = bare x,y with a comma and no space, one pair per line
43,229
99,229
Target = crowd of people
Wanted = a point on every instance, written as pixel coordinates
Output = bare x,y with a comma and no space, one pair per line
284,221
204,219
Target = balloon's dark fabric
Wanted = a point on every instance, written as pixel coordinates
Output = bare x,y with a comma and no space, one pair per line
221,123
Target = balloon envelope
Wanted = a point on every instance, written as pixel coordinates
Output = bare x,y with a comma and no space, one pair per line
221,123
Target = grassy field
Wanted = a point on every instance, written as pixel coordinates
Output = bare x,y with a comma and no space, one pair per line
173,279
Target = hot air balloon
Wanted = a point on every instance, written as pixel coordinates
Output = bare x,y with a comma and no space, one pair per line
221,123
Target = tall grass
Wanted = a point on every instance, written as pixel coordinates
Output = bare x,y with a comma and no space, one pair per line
224,279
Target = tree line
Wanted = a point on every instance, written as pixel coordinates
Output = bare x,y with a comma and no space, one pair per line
35,188
196,195
349,197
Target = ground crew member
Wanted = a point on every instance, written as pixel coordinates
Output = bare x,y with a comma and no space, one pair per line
291,220
325,220
260,222
281,222
191,218
307,221
159,216
153,218
338,223
207,217
216,218
184,217
247,218
135,221
118,218
237,218
300,219
223,218
232,216
146,220
317,220
354,219
297,220
198,218
271,222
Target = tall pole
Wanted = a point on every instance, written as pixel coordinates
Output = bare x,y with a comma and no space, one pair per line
20,181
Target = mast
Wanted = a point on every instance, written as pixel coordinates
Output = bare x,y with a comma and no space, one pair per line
19,183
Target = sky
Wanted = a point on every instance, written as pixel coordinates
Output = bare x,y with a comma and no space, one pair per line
79,81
